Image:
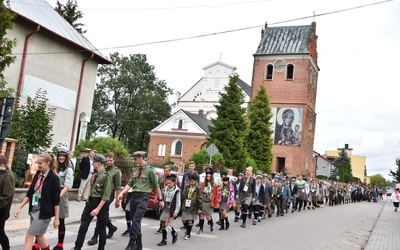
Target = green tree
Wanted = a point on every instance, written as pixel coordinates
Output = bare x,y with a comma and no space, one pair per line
129,100
6,46
343,165
378,181
202,158
32,124
104,145
71,14
259,138
396,174
229,128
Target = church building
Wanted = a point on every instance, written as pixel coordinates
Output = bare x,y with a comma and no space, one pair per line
186,131
286,64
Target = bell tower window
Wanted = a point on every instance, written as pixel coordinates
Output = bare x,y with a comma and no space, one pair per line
269,69
290,72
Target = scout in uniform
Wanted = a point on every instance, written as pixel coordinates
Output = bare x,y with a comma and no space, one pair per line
246,194
162,183
115,175
301,192
226,198
191,204
100,191
143,180
65,173
172,198
210,191
43,197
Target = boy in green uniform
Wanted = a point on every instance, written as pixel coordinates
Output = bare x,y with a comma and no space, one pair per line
100,191
143,180
115,175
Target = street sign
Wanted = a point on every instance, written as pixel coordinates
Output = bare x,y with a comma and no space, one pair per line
337,177
212,150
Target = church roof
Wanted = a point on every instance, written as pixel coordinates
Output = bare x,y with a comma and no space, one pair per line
39,12
285,40
199,120
246,88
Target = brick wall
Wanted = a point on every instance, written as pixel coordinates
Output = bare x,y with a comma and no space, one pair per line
7,149
189,146
299,92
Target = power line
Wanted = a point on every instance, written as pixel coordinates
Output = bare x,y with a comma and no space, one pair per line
180,7
210,34
162,8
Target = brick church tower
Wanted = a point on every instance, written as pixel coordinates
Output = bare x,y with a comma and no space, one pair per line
286,64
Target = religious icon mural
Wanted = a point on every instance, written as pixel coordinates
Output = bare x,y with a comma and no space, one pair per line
287,124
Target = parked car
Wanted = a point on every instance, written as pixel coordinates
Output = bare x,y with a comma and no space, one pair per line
153,202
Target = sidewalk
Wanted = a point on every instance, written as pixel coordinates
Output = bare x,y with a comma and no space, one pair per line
17,226
385,234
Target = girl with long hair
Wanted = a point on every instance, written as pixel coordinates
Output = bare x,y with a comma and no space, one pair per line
65,173
210,201
226,199
43,197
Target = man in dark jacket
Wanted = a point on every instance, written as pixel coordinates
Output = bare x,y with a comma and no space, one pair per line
86,171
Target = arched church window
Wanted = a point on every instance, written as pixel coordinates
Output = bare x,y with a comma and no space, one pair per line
180,124
269,69
290,72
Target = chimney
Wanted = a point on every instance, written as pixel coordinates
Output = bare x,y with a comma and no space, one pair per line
201,113
346,146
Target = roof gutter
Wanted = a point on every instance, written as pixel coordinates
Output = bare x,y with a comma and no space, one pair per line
78,99
23,62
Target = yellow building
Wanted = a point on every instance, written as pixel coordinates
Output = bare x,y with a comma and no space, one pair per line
357,162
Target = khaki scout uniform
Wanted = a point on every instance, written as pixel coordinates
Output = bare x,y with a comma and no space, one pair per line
100,189
143,180
115,175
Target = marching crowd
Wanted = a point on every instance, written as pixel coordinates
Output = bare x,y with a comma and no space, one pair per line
252,198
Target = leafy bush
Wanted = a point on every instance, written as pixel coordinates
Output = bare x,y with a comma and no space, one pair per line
202,158
104,145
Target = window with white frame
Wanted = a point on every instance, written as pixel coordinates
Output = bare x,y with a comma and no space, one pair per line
161,149
177,147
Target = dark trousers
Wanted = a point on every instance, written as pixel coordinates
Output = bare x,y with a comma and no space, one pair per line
278,203
109,225
138,208
87,218
5,244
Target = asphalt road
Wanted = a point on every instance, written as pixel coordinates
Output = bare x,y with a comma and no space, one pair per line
341,227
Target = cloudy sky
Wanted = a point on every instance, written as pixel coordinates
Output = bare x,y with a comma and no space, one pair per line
358,55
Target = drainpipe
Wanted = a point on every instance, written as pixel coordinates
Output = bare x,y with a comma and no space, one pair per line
78,97
23,61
